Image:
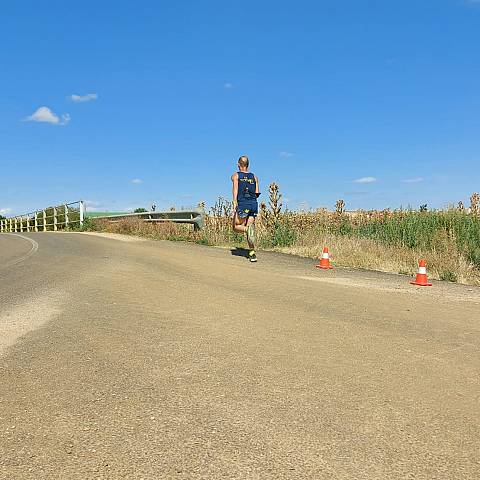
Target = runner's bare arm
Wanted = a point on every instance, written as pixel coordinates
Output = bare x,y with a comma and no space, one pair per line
257,190
234,190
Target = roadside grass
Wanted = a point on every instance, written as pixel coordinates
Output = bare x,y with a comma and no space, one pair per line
388,241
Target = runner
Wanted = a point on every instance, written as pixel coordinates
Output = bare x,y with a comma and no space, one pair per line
245,206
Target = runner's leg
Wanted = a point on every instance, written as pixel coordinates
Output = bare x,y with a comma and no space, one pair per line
251,232
239,224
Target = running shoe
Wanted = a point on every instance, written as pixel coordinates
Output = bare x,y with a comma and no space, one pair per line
251,256
251,233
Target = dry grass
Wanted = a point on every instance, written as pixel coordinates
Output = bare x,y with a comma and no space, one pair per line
371,255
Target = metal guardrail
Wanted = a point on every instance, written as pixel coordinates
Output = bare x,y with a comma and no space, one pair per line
195,217
55,218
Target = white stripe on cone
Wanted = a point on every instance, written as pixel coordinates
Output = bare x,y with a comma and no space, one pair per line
422,270
325,255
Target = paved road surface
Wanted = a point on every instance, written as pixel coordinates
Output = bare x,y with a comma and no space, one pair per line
152,360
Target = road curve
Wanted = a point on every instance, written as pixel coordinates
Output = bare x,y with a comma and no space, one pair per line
13,251
151,360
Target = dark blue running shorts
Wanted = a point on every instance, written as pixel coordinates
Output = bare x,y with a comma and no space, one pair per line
245,210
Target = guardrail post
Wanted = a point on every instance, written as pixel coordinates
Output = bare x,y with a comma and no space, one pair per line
55,219
15,224
66,217
44,212
28,223
82,212
36,222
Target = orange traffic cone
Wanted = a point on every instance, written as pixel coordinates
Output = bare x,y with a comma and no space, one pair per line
422,279
324,261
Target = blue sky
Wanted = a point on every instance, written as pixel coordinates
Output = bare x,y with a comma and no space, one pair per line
376,102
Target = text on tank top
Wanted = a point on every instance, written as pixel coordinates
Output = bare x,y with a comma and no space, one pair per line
247,186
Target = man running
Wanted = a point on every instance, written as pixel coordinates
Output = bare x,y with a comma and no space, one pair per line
245,206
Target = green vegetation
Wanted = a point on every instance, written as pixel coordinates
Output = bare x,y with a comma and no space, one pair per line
429,231
89,214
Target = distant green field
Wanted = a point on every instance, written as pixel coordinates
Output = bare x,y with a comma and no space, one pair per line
103,214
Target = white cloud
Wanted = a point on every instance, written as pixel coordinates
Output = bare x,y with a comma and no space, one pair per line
45,115
83,98
286,154
365,180
5,211
137,181
413,180
93,206
228,86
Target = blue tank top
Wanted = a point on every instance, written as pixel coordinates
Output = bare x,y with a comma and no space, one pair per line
247,186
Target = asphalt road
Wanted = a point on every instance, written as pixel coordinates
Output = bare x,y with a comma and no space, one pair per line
151,360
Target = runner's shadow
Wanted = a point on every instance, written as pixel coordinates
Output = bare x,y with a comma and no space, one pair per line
239,252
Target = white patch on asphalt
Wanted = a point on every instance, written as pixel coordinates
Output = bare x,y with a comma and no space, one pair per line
440,290
115,236
22,319
348,282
